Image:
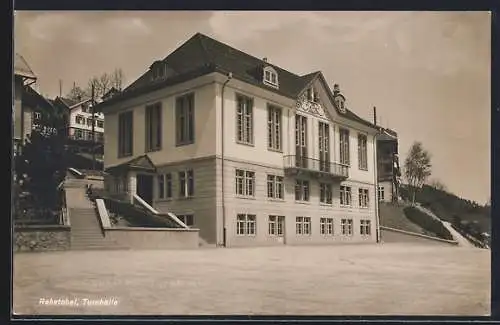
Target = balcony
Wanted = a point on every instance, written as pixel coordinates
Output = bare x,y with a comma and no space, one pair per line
78,134
297,165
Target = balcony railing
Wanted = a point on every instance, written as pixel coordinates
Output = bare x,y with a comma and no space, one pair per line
84,135
295,164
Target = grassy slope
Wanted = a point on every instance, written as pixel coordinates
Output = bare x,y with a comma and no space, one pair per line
446,206
393,216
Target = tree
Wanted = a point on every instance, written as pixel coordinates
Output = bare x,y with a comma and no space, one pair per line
438,185
77,93
41,167
103,83
117,78
417,168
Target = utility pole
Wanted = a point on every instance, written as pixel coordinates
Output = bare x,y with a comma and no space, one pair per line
93,128
60,88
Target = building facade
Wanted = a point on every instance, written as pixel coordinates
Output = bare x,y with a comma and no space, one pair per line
22,114
247,152
389,172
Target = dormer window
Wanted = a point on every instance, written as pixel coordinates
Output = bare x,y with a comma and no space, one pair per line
270,77
159,70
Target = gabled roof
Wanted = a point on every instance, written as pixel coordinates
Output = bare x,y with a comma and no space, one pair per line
33,99
142,163
21,67
66,101
202,55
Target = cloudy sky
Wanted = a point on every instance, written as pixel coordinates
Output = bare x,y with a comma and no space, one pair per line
428,73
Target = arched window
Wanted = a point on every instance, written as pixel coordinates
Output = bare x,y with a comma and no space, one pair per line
270,77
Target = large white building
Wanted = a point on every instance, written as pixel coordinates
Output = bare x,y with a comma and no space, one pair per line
249,153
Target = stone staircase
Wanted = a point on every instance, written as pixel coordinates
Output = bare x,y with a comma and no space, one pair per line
86,231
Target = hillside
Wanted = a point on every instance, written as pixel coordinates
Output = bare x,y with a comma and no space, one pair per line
451,208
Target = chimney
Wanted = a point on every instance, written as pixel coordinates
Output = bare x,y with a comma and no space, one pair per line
374,116
264,59
336,89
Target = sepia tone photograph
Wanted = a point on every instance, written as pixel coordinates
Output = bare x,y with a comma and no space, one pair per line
330,163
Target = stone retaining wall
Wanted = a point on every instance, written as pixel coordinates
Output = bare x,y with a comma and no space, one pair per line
41,238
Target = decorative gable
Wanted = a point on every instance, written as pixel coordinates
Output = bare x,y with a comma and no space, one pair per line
308,102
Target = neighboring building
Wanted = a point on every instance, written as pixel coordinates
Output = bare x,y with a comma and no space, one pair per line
389,173
79,124
21,118
246,151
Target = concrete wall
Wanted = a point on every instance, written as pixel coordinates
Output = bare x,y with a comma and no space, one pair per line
389,235
41,238
154,238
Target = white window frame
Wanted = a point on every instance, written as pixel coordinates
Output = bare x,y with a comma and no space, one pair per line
246,224
303,226
345,196
365,227
346,224
362,151
245,179
274,118
364,198
381,193
186,183
276,225
270,77
326,226
305,190
326,193
345,155
275,187
244,119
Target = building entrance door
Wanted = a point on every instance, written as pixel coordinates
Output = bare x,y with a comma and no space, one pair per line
280,223
145,187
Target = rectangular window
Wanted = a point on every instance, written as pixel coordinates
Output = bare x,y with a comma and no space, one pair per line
186,183
362,152
245,182
246,224
381,193
161,186
301,190
365,228
324,147
303,225
153,127
326,195
37,115
187,219
276,225
326,226
273,128
100,123
184,115
79,119
125,134
165,186
363,195
244,119
345,196
344,146
346,226
89,121
275,187
300,141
